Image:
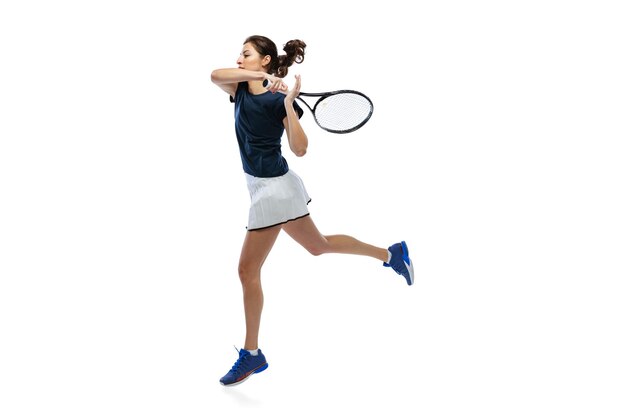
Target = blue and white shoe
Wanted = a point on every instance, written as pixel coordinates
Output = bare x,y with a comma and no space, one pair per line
245,366
400,261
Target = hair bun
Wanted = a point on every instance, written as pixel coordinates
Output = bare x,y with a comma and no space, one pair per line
295,50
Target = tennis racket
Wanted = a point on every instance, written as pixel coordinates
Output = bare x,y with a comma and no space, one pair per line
340,111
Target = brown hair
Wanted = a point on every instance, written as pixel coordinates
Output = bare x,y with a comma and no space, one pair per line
279,64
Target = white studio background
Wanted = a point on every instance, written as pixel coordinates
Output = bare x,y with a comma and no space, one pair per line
495,150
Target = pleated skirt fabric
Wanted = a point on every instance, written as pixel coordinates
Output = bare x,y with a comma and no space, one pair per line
276,200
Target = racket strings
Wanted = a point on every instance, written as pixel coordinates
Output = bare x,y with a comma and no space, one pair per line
343,111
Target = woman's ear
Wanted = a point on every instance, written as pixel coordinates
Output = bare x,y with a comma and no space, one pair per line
266,60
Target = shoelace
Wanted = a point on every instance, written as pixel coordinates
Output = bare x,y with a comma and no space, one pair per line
235,367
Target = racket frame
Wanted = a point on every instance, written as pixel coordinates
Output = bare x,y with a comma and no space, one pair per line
322,96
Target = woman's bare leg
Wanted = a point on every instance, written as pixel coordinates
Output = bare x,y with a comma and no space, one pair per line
305,232
256,247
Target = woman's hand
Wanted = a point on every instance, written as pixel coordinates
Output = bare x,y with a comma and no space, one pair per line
298,141
294,92
276,84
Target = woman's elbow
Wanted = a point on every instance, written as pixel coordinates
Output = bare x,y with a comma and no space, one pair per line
298,143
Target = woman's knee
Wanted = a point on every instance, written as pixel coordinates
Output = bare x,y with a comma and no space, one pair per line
248,273
318,248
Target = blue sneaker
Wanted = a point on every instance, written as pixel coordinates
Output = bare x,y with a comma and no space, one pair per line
245,366
400,261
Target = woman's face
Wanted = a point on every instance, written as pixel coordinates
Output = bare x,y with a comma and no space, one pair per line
250,59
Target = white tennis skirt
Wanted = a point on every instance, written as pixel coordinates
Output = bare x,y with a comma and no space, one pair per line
276,200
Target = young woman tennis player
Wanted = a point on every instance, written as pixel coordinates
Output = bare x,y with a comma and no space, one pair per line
278,197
